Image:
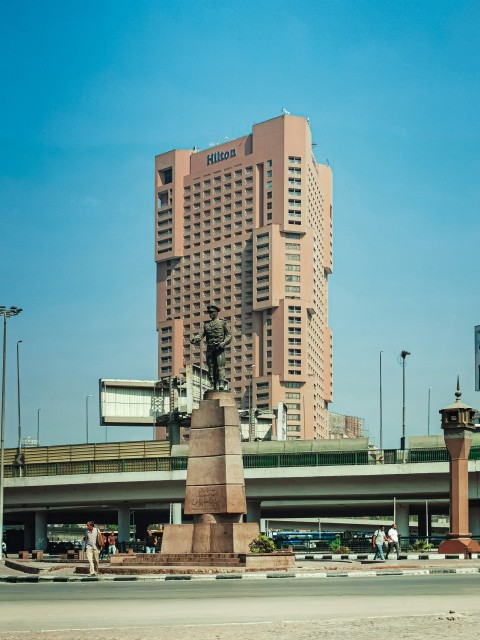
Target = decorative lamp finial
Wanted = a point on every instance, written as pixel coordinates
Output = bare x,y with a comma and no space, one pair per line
458,393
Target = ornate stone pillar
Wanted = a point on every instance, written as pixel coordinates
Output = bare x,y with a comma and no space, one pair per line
458,427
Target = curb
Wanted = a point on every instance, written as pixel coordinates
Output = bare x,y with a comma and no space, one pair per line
368,556
226,576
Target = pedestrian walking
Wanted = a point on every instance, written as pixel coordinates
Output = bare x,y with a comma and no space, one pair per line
378,540
150,542
93,545
393,542
112,549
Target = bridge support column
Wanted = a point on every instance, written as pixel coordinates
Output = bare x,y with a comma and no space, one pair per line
41,530
474,519
28,535
402,515
254,511
424,523
176,512
124,524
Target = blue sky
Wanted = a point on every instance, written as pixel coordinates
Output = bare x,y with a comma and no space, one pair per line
94,90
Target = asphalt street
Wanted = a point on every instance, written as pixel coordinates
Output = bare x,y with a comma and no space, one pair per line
116,605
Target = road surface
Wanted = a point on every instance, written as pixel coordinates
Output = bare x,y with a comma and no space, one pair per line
278,608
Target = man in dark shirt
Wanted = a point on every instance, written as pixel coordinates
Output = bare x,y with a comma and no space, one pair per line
150,542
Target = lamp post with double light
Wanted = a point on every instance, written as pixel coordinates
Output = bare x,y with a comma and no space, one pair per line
6,313
86,414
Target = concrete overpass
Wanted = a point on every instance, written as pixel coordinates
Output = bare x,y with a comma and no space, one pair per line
145,497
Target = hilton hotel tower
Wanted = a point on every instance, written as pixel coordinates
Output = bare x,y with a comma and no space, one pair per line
247,225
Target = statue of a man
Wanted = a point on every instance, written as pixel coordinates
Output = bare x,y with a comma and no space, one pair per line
217,334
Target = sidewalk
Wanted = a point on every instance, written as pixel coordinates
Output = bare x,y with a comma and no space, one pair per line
306,568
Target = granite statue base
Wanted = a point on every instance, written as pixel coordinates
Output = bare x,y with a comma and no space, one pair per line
218,537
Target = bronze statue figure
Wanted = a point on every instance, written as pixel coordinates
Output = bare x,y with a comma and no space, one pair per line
218,335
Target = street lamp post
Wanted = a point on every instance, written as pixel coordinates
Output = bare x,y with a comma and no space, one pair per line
428,414
19,448
38,427
403,355
250,406
6,313
18,398
381,408
86,414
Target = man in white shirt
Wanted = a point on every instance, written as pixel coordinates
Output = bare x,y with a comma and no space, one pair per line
92,546
392,539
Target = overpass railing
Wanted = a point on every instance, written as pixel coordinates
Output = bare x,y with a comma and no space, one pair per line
151,460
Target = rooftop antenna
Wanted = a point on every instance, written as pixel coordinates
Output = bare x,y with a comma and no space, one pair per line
285,112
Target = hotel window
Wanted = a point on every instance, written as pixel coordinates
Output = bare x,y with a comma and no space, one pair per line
292,385
269,195
294,320
162,199
294,192
292,396
292,267
292,289
269,163
269,174
292,278
165,176
294,372
294,352
269,184
294,160
292,245
292,256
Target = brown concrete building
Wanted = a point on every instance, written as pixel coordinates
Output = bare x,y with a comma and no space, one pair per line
247,225
341,426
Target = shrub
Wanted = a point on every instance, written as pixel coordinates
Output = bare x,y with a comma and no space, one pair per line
421,545
336,546
262,544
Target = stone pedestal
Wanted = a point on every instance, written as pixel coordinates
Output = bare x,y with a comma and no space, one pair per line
215,490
